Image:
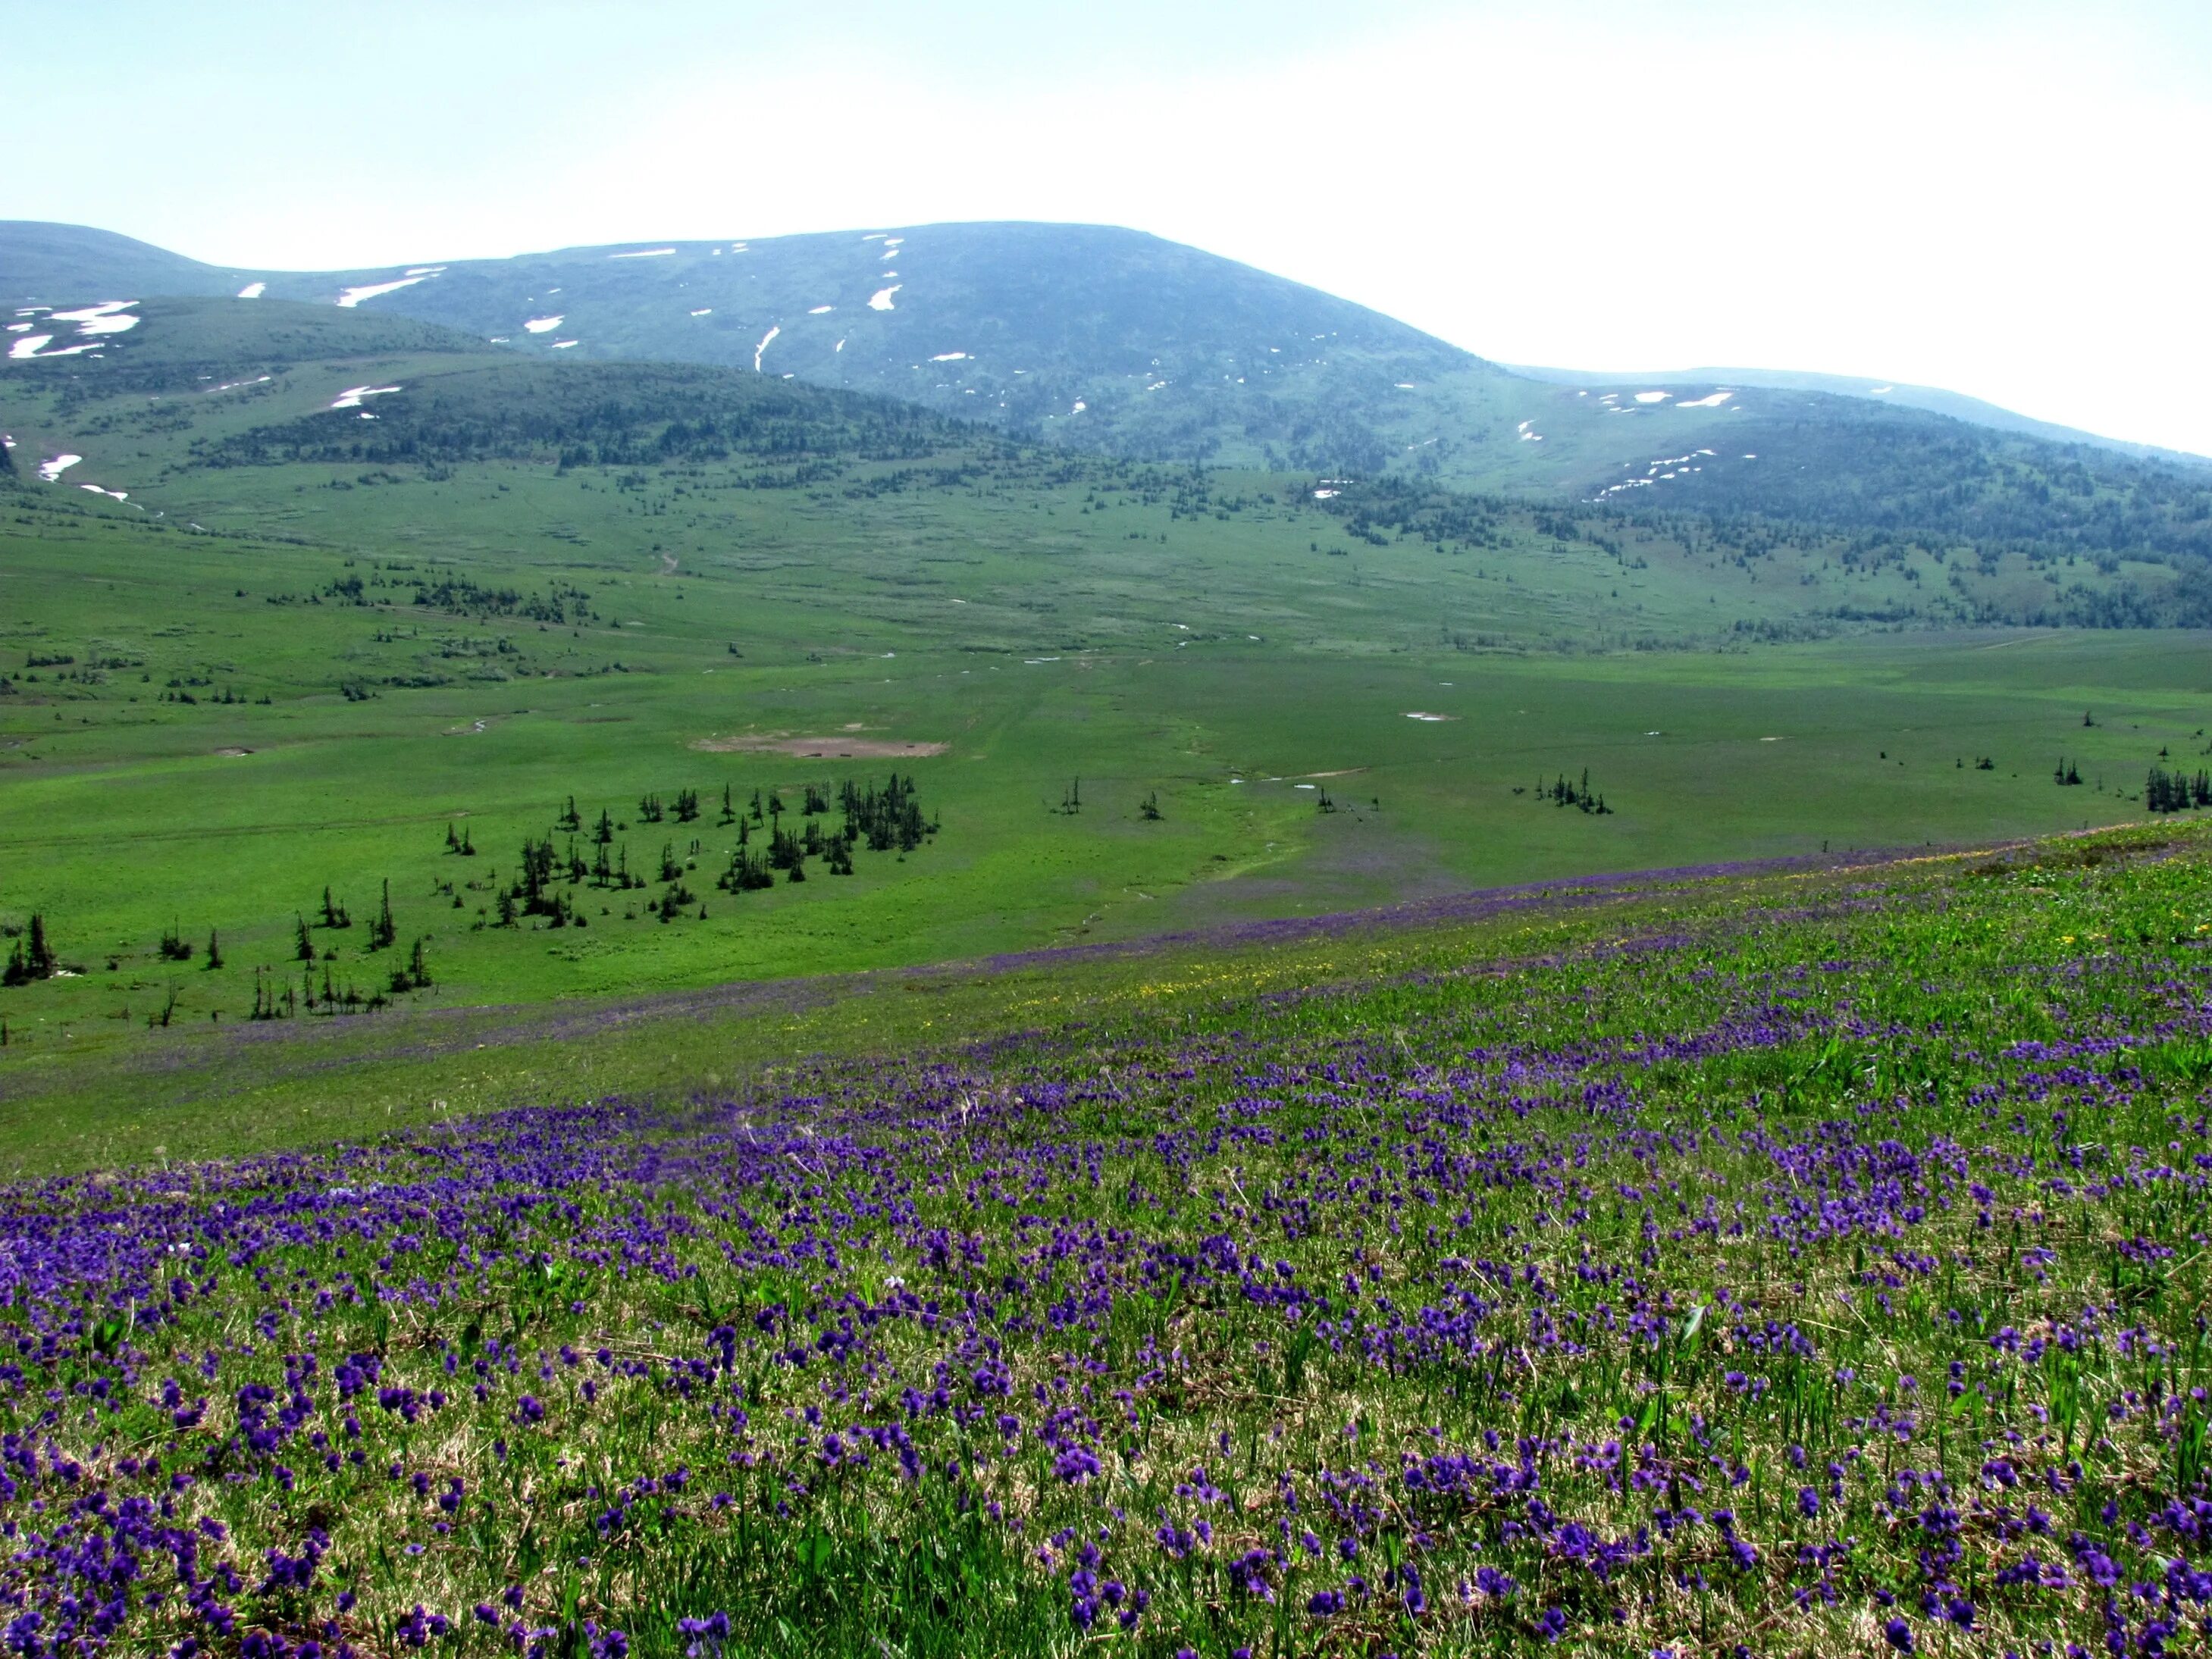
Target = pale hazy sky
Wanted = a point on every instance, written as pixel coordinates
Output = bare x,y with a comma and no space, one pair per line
2005,200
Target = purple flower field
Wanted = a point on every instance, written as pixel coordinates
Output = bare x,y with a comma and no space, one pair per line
1827,1278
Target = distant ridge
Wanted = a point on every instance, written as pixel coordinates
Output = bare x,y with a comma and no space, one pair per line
1100,338
1896,395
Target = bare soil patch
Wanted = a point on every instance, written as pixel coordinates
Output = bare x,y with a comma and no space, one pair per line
842,746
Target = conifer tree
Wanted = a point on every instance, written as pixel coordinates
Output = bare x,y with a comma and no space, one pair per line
303,946
214,950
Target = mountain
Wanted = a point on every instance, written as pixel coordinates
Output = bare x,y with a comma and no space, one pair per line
1113,341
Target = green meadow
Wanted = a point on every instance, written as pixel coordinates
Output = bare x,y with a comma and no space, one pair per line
275,668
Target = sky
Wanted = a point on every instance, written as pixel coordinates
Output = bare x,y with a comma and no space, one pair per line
2002,199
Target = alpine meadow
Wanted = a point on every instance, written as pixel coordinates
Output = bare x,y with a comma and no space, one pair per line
996,937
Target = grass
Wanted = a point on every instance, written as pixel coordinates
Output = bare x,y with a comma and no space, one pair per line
1810,1260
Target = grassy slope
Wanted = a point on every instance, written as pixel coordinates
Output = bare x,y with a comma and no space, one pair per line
1769,1195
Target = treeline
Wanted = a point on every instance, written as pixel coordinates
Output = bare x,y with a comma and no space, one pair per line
2176,792
1374,510
602,414
550,874
458,596
1564,792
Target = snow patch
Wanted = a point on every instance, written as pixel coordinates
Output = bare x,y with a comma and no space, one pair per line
645,253
51,471
1712,401
253,290
1326,494
103,318
1079,407
881,299
839,347
818,310
21,328
119,495
352,396
541,325
563,345
762,346
425,270
350,297
950,357
1653,397
1879,391
30,345
704,311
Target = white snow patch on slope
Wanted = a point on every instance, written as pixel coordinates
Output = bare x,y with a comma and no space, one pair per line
1653,397
1713,400
817,310
119,495
950,357
348,298
352,396
106,318
840,346
645,253
424,271
762,346
1079,407
29,346
563,345
542,325
253,290
881,299
51,471
704,311
21,328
